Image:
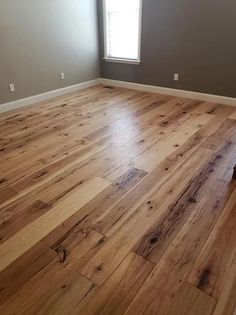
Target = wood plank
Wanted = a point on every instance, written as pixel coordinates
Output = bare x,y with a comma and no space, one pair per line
227,303
97,206
160,235
90,179
24,268
206,107
77,244
176,263
233,116
39,175
33,233
226,132
117,293
10,225
28,183
191,301
112,219
54,290
118,245
6,194
211,268
183,152
176,137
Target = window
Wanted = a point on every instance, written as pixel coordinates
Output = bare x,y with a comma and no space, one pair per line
122,30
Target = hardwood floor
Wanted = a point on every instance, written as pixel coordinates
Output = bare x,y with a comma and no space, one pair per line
115,201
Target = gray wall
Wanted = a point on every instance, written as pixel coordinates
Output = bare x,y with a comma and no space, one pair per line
39,39
195,38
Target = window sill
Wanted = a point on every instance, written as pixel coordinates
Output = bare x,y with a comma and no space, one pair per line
117,60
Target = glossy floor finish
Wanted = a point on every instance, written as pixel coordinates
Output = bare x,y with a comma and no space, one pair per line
115,201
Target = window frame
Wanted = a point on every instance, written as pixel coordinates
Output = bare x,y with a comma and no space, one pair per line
122,60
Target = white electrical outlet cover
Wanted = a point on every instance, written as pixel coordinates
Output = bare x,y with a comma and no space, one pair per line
12,87
176,77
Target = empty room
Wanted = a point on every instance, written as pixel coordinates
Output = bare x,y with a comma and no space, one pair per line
117,157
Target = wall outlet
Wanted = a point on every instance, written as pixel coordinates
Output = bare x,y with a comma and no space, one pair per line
176,77
62,76
12,87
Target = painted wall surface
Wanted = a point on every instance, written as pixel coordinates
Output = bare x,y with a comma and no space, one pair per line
41,39
193,38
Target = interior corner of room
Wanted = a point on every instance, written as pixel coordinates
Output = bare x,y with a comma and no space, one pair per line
50,48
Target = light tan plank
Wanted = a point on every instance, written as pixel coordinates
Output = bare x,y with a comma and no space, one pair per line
191,301
34,232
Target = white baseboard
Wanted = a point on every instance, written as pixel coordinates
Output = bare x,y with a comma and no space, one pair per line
128,85
45,96
168,91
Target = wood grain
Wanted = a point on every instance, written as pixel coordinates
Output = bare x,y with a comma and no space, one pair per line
213,265
190,301
115,201
120,289
33,233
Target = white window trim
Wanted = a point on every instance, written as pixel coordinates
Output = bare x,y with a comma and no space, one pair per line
122,60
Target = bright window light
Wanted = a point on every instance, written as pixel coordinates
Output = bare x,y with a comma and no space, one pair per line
122,26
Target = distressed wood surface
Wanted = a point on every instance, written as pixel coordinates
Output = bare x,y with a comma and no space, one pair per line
115,201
